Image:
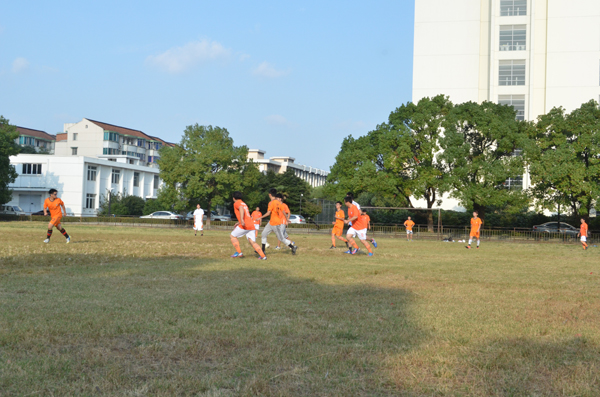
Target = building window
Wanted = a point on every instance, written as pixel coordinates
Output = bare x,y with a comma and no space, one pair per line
140,142
511,73
90,201
136,179
116,176
74,136
513,37
111,136
92,171
32,169
509,8
155,182
516,101
74,151
515,183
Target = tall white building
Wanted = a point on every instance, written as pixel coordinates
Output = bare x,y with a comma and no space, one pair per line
280,164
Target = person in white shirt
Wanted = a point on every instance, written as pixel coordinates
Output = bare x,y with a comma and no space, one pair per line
198,217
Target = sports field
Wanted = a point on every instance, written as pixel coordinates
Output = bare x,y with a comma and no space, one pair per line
136,311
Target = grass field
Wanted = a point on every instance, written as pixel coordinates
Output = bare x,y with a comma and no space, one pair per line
135,311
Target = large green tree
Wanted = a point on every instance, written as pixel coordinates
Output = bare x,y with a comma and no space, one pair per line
8,134
204,168
480,146
565,159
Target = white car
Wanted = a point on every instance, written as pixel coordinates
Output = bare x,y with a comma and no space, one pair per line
162,215
11,210
297,219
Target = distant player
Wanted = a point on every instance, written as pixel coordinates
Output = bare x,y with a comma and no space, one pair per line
198,219
56,207
244,227
408,224
359,228
368,220
583,232
256,216
338,226
475,229
274,225
285,220
349,194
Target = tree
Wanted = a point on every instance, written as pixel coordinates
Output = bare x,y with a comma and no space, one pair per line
480,147
121,204
564,159
8,134
205,168
288,184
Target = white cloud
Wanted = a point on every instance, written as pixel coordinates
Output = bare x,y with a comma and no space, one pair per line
265,69
179,59
243,57
20,64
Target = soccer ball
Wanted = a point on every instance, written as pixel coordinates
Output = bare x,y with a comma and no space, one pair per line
267,245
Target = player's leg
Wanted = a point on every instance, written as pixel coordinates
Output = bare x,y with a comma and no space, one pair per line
478,240
470,241
584,242
280,233
49,232
63,231
332,239
350,237
265,233
251,236
235,234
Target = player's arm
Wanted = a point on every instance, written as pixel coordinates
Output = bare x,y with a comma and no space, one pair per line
62,205
242,214
265,215
45,210
351,219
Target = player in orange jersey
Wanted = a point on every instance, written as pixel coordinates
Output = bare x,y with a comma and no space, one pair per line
583,232
408,224
338,226
358,228
244,227
275,223
475,229
256,217
368,220
56,207
285,220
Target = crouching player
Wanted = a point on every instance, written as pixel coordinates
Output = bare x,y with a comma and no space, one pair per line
338,226
359,228
56,207
244,227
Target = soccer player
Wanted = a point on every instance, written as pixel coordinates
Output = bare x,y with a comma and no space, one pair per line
368,220
256,216
359,228
583,232
274,225
475,228
56,207
244,227
338,226
198,218
285,220
408,224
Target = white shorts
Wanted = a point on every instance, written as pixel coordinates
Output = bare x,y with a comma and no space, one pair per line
583,239
239,232
198,226
409,232
362,233
256,226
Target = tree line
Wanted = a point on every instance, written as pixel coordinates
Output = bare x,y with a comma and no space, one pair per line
471,152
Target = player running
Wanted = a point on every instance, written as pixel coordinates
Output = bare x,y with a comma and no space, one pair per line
244,227
56,207
338,226
475,229
368,220
285,220
256,216
274,225
198,218
359,228
583,232
408,224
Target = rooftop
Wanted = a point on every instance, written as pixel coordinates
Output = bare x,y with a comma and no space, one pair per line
36,133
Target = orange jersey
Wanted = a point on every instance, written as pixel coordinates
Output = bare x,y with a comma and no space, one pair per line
338,222
284,210
583,229
274,207
476,225
359,223
256,216
248,221
54,207
409,224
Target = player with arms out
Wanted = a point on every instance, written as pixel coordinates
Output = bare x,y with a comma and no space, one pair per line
56,207
198,218
244,227
338,226
359,228
408,224
256,215
274,225
583,232
368,221
475,229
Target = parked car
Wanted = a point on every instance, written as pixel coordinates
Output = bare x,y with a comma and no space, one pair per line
162,215
11,210
297,219
552,227
40,213
190,216
216,217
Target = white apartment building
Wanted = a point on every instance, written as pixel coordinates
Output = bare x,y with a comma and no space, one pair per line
314,176
39,140
531,54
81,181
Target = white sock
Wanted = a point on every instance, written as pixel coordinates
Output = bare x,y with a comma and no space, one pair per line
470,241
478,243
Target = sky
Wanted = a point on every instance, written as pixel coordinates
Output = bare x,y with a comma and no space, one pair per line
292,78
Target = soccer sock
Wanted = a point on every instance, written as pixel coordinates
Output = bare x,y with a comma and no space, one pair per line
478,243
257,249
64,232
236,244
470,241
343,239
584,245
354,244
49,233
333,240
264,247
366,244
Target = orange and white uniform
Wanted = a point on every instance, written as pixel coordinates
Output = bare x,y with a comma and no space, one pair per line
55,210
275,209
367,220
338,228
408,224
256,216
583,231
475,227
247,229
359,225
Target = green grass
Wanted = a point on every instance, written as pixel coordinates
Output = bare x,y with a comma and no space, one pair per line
136,311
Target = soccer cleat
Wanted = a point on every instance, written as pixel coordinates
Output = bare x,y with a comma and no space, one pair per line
468,247
47,240
332,247
68,240
278,248
264,258
294,249
370,254
236,255
354,251
374,243
348,252
477,247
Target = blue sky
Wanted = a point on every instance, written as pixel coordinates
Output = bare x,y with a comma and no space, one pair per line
292,78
